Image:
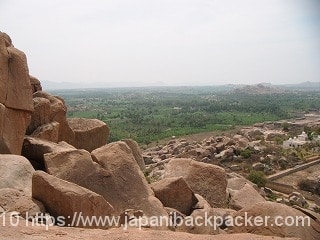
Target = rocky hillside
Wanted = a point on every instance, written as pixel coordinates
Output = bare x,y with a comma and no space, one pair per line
55,172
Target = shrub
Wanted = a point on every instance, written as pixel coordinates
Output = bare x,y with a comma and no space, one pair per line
246,153
285,126
311,184
258,178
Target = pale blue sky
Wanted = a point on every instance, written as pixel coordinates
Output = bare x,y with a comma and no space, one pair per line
176,42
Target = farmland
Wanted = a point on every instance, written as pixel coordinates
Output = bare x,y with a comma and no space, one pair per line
150,114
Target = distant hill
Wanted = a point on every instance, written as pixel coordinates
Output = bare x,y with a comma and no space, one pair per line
259,89
305,86
48,85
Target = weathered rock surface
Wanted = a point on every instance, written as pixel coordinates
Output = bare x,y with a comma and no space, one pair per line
13,124
12,200
210,221
237,183
175,193
244,197
41,114
48,131
114,174
15,87
35,84
137,154
89,133
273,211
296,198
16,172
205,179
201,227
201,203
35,148
48,109
77,166
15,96
62,198
130,185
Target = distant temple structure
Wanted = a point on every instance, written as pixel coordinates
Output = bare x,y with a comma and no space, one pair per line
296,141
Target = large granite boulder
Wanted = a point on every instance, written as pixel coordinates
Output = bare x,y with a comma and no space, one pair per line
136,152
15,87
13,124
244,197
65,199
175,193
205,179
277,220
48,131
15,96
13,200
41,114
110,171
16,172
35,148
49,108
35,84
89,133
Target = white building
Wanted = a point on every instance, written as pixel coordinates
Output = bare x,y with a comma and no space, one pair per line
303,137
296,141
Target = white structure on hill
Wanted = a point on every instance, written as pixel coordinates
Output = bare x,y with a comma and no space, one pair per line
296,141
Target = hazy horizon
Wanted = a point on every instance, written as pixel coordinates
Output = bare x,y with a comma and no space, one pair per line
177,42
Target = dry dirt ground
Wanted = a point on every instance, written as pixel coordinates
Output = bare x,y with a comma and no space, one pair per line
294,178
40,233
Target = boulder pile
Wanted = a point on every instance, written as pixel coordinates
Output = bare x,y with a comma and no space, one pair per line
58,167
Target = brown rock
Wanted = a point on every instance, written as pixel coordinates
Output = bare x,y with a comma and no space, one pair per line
274,136
13,124
205,179
13,200
237,183
48,131
310,184
220,147
15,88
41,114
137,154
129,182
15,96
223,212
175,193
62,198
35,84
77,166
201,227
15,172
201,203
89,133
273,227
35,148
244,197
115,175
58,113
5,42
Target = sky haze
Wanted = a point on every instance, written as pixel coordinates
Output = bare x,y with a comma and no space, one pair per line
170,42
